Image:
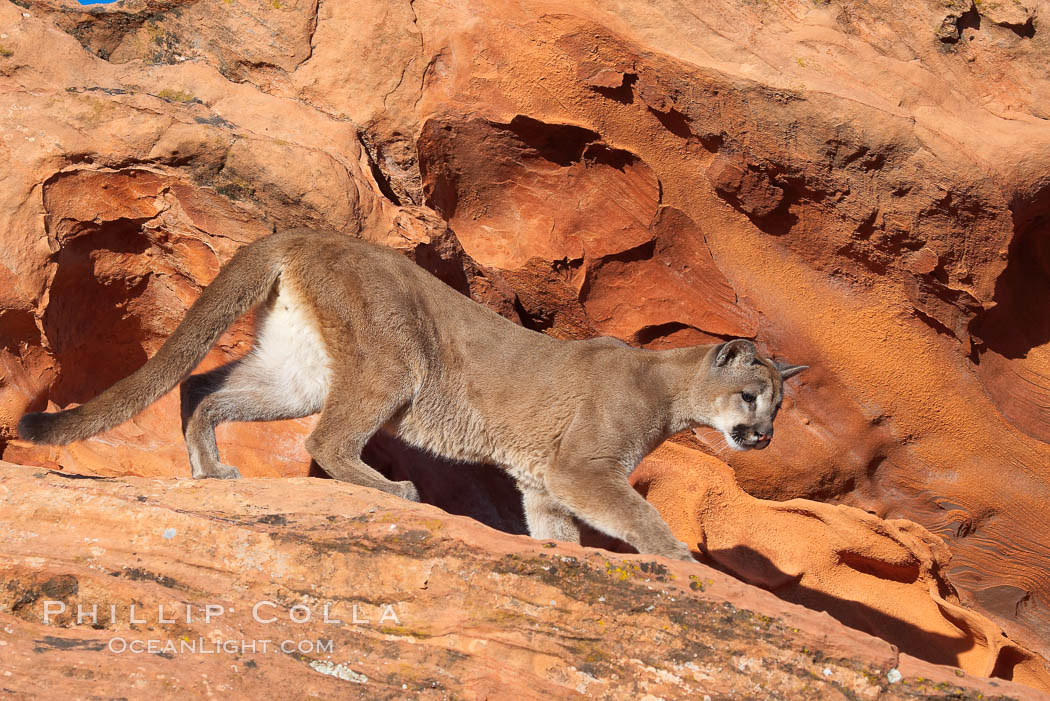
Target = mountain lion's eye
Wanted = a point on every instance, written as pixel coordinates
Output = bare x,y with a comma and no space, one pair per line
747,397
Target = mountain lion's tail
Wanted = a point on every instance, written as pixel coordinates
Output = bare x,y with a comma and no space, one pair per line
242,284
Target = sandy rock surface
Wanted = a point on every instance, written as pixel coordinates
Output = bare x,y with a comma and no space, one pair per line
885,577
860,186
413,602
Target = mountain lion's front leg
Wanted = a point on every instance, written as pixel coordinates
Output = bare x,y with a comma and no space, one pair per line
597,491
547,519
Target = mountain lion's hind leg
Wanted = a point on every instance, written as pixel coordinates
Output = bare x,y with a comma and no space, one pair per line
546,518
356,411
243,390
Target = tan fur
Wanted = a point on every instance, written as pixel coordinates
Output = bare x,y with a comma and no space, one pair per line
373,342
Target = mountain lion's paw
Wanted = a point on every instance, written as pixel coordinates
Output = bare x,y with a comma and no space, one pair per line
409,491
224,472
682,552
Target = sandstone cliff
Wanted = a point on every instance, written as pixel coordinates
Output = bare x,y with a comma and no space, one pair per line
857,185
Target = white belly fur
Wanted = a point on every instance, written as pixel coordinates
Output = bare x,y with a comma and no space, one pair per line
291,354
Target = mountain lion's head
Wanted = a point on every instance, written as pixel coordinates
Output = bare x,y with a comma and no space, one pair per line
748,393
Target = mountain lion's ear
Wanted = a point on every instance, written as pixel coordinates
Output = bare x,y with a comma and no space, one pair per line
787,371
735,351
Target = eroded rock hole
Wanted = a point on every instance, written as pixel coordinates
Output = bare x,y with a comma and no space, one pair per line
1012,348
562,144
88,309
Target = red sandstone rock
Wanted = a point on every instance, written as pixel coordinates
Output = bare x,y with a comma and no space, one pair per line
419,603
861,187
888,578
750,190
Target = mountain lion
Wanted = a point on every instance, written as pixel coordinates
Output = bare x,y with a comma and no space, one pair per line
372,341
